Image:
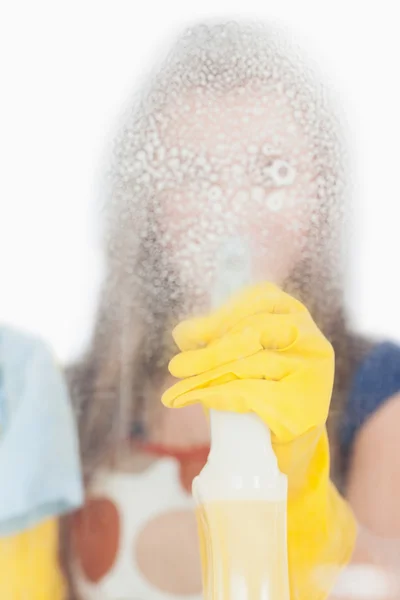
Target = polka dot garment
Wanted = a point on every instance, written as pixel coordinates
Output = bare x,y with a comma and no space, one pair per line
125,539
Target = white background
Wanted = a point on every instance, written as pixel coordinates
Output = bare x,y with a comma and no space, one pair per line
67,69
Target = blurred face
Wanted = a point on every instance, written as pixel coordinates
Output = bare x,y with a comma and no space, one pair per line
242,166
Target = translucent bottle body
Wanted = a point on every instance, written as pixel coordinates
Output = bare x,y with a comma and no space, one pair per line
241,513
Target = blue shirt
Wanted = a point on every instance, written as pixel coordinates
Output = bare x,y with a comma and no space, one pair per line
376,380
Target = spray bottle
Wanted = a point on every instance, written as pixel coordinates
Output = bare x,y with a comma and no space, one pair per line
241,496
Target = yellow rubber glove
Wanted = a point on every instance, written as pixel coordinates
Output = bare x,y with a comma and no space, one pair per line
29,566
262,352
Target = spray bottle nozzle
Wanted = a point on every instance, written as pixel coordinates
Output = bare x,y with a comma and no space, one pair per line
233,269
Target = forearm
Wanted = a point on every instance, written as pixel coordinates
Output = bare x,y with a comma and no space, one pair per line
373,491
373,484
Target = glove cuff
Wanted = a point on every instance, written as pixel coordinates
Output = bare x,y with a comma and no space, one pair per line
322,532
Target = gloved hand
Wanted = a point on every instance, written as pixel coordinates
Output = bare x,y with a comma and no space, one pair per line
262,352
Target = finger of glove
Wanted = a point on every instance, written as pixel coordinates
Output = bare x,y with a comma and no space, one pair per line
296,334
257,332
274,331
221,352
260,396
301,396
262,298
262,365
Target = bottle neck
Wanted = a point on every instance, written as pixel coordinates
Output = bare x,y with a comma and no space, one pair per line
241,440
